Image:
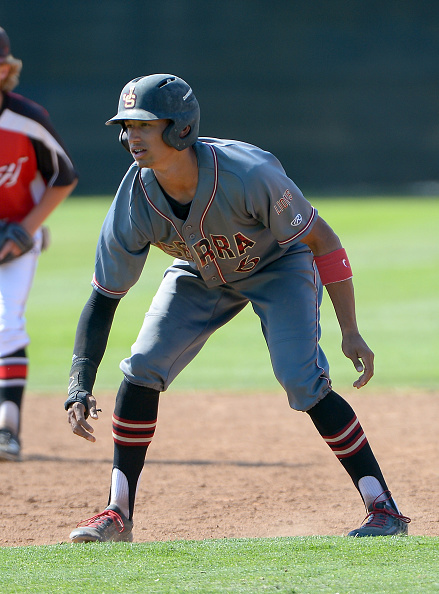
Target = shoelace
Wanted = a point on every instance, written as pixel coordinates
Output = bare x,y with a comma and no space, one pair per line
5,437
378,517
102,517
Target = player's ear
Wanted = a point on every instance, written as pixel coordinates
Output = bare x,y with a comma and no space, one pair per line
185,132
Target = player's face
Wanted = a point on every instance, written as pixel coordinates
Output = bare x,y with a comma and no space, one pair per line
147,145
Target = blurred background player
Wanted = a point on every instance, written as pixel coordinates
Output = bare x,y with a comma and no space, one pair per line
36,175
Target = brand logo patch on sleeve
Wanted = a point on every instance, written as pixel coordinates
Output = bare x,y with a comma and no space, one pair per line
297,220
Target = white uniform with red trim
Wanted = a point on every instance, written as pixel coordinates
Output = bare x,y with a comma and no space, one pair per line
240,243
32,157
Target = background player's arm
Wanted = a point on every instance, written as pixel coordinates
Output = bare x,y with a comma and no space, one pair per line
323,240
51,198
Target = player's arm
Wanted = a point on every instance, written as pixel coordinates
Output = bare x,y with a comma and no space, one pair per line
51,198
336,275
90,343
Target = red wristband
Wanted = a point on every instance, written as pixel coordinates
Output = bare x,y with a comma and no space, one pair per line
333,267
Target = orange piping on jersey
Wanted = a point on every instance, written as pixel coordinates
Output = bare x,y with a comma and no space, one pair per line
95,282
215,187
316,334
312,217
154,207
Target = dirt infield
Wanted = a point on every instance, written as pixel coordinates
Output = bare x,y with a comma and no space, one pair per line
221,466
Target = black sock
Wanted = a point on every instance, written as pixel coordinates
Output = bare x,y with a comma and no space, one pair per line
337,423
134,419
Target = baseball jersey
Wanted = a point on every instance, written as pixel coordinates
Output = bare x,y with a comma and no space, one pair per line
245,214
32,156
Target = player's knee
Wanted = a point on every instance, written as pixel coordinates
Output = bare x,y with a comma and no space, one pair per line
138,370
303,395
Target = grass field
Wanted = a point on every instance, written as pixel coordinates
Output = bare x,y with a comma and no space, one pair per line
306,565
394,251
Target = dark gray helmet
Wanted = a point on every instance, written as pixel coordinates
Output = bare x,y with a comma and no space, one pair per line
157,97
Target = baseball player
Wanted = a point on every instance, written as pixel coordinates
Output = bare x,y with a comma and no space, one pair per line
240,232
36,174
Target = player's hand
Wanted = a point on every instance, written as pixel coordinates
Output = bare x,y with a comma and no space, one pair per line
9,247
77,420
355,349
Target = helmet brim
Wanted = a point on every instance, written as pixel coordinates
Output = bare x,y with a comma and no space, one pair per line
132,114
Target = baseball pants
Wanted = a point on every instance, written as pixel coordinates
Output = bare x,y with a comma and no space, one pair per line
285,294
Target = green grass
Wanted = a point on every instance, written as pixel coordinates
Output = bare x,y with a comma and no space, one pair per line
289,565
393,247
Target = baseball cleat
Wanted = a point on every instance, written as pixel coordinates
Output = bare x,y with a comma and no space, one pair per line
10,449
109,526
382,520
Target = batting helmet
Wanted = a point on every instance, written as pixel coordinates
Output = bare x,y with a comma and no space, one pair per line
157,97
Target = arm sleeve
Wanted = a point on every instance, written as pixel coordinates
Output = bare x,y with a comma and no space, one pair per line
94,327
90,343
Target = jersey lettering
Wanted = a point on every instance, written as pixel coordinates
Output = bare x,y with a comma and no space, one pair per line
284,202
178,249
204,251
222,246
10,173
218,247
247,265
243,243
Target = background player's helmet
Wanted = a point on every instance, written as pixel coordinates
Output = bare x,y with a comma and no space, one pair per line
156,97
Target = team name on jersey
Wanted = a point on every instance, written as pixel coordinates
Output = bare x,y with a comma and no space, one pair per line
284,202
9,174
217,247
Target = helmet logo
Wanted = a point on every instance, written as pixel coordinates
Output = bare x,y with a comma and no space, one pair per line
129,99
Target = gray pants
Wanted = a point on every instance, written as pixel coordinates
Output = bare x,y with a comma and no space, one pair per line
286,295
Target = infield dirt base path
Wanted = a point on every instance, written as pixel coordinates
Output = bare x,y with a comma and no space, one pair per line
221,466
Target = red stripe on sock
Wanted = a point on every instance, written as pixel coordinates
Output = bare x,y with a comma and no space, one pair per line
131,422
13,371
350,427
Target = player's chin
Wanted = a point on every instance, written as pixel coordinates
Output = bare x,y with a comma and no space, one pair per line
141,161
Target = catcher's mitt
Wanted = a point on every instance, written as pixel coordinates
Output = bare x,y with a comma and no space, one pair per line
18,234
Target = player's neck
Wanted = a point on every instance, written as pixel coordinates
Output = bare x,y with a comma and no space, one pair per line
180,178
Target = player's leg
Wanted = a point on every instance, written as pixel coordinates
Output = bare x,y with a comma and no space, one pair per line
292,331
15,282
134,423
339,426
13,374
286,298
183,314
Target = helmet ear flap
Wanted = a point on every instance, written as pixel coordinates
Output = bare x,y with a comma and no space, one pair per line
123,139
171,136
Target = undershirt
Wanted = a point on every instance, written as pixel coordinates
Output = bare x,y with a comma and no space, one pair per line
180,210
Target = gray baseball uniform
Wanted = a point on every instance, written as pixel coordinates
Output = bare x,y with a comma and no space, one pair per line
240,243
